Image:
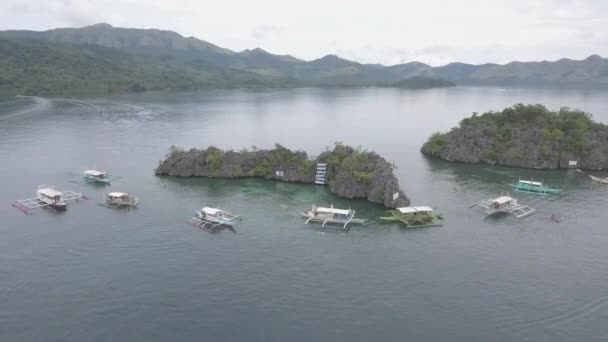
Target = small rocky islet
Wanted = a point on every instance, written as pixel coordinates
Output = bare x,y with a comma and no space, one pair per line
351,173
527,136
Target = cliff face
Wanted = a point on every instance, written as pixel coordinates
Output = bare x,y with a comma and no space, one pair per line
525,136
351,173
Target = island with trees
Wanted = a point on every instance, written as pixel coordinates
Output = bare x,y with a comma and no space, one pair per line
349,172
528,136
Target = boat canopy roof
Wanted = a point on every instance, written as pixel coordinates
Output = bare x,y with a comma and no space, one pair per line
502,200
211,211
50,192
94,173
333,211
530,182
118,194
409,210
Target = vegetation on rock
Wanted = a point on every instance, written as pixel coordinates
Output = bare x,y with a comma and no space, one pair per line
351,173
525,136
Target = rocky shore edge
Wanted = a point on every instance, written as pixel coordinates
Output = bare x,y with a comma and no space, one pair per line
527,136
350,172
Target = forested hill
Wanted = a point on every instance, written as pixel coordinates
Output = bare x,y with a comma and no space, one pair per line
35,67
529,136
106,58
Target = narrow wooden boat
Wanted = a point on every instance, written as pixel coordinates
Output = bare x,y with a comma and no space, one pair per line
94,176
504,204
209,219
121,200
47,196
332,216
534,187
414,217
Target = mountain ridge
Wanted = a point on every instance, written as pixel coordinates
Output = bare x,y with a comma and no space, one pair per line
176,53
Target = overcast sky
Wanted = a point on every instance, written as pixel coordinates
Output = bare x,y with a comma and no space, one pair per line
379,31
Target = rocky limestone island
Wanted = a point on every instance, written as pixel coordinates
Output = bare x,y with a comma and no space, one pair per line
528,136
350,173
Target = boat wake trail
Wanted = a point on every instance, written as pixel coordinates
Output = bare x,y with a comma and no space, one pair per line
106,110
36,105
577,313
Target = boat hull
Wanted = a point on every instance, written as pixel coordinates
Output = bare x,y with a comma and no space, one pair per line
319,219
96,180
59,206
537,190
411,221
214,220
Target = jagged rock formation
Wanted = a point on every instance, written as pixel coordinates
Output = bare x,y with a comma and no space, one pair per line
351,173
525,136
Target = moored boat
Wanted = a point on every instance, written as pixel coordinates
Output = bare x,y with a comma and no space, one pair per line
209,218
504,204
121,199
331,215
414,217
534,187
47,196
51,197
95,176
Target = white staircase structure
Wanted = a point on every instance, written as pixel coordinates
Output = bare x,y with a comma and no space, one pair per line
321,174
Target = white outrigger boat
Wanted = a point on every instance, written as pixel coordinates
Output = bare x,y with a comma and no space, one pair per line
94,176
47,196
599,180
208,218
504,204
331,215
414,217
121,200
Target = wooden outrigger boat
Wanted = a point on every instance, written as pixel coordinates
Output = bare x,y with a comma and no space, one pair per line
332,216
415,217
121,200
209,219
504,204
532,187
94,176
599,180
47,196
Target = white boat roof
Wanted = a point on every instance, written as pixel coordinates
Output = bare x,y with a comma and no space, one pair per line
211,211
117,194
94,173
333,211
409,210
502,199
49,192
530,182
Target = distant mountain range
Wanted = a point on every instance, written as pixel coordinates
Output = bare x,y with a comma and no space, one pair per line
105,58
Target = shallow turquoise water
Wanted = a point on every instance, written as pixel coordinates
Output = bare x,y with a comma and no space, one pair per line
93,273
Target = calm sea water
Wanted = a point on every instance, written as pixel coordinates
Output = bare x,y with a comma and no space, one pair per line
96,274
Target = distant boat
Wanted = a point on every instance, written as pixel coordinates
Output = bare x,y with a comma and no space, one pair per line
532,187
331,215
94,176
504,204
415,217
